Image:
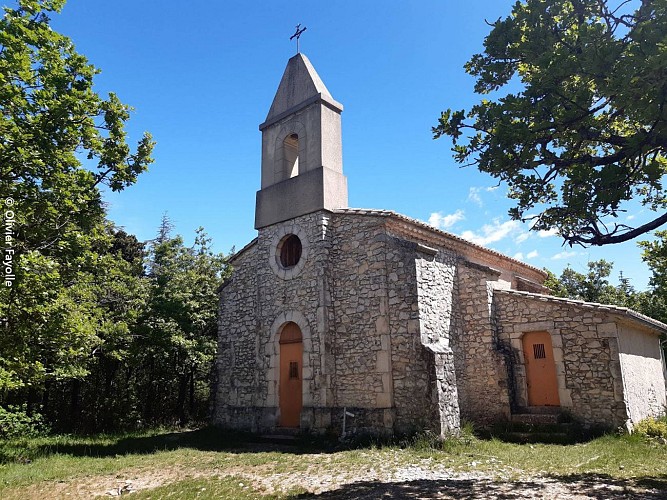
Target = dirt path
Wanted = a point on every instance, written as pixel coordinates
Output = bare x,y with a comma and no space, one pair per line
423,479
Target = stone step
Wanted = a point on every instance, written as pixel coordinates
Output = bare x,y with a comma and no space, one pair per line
287,431
540,410
535,418
280,436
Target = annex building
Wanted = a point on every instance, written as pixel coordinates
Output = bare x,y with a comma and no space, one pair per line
334,310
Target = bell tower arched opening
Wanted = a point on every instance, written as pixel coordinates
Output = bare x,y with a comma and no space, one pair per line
291,156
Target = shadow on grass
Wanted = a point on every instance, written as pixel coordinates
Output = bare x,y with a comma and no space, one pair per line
589,485
206,439
212,439
562,434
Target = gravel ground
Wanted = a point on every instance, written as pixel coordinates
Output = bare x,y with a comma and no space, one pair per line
421,481
393,478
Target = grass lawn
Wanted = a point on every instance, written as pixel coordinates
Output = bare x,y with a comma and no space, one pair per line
210,463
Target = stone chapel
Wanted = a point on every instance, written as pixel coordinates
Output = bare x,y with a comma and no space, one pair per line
368,316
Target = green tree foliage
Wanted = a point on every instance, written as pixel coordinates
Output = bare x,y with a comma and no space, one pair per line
91,401
587,131
594,286
654,253
155,364
63,332
59,143
98,331
178,336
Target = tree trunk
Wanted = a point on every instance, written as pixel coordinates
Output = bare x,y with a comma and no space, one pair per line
148,405
74,414
192,392
182,392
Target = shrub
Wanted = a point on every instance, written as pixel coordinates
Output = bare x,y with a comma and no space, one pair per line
16,422
652,427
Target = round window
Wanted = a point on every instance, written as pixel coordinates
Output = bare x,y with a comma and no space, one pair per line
290,251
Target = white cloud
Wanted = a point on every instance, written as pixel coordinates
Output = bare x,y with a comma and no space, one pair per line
522,237
491,233
532,219
548,233
437,219
563,255
474,193
630,217
528,256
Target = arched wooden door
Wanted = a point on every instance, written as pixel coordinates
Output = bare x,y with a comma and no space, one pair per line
540,370
290,389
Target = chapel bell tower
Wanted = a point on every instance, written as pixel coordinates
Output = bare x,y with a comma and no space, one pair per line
302,154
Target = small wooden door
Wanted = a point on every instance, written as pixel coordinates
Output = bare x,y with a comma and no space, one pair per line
540,370
291,360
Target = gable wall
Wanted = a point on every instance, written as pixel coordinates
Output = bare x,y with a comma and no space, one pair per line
260,299
359,314
283,298
381,367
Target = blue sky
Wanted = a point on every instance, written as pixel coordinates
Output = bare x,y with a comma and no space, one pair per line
201,77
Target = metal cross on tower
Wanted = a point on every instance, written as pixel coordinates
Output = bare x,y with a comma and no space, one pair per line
297,35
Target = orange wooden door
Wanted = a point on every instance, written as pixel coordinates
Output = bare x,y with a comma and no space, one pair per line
290,389
540,370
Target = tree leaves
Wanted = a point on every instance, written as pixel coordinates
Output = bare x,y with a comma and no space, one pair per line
100,329
588,130
55,316
594,286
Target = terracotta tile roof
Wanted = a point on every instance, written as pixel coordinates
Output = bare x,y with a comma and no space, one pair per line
622,311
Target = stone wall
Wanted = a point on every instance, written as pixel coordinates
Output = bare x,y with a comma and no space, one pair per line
586,353
480,361
409,333
412,365
357,295
235,369
360,321
435,290
403,332
642,368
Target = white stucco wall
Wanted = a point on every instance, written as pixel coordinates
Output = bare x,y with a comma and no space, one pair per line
643,379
